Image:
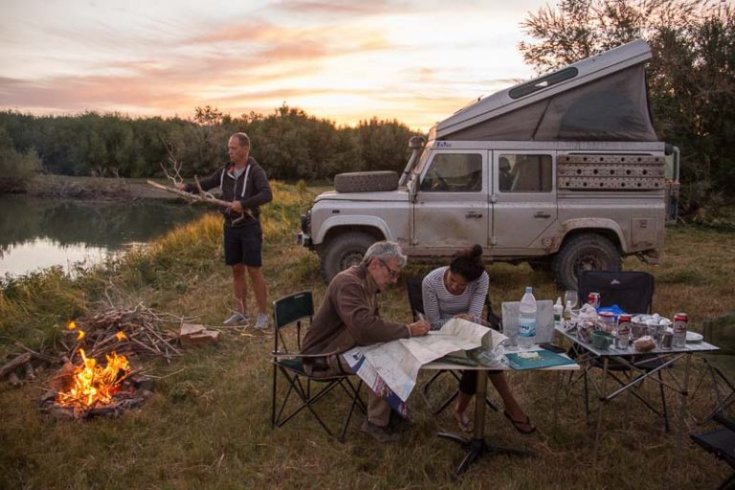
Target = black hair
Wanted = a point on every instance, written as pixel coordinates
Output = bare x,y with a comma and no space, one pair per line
468,263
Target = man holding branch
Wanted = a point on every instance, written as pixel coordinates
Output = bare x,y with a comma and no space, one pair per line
245,186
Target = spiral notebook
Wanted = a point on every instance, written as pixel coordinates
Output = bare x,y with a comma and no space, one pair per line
536,359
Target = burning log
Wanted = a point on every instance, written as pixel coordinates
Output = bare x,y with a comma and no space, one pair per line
90,389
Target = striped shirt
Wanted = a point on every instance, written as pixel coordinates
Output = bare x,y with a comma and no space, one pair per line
440,305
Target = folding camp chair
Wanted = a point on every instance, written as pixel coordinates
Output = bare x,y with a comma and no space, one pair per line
721,443
289,312
718,365
632,291
416,301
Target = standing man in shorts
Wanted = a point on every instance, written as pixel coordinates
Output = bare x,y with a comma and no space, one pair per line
244,184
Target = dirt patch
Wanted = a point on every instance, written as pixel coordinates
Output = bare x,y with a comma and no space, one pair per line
94,188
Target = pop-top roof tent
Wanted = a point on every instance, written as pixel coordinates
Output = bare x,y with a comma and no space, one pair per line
601,98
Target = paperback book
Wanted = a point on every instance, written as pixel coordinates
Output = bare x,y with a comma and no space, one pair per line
536,359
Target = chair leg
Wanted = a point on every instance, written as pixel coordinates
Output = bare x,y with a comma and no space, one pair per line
427,386
586,397
273,396
355,400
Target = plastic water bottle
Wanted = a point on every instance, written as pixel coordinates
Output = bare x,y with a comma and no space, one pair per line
527,320
558,311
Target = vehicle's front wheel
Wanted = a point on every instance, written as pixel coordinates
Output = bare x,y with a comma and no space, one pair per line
344,251
589,252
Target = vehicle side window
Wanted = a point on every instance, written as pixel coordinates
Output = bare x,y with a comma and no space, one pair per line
524,173
454,172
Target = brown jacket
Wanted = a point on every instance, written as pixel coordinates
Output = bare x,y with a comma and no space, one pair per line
348,316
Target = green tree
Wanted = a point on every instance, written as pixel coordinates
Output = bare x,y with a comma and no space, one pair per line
691,76
16,168
384,144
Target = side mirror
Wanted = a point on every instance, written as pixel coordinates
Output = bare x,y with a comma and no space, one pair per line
416,142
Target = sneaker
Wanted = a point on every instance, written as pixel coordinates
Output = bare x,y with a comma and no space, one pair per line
380,434
261,321
236,318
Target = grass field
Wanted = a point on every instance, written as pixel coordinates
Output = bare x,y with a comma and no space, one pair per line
207,425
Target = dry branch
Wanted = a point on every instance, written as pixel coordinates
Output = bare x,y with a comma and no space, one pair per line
201,197
11,366
134,331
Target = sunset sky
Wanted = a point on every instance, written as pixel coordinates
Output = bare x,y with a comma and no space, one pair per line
417,61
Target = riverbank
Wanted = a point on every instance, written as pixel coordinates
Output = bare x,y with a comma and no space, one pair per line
208,421
95,188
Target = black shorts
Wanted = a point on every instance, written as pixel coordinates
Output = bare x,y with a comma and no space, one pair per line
243,245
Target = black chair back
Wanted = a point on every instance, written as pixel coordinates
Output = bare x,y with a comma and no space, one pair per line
291,310
630,290
415,296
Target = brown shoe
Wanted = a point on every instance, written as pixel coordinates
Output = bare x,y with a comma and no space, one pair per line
380,434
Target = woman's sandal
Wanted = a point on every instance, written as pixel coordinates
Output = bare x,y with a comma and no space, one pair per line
463,421
522,426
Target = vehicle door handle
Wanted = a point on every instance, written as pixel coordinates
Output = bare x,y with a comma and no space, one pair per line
473,215
541,214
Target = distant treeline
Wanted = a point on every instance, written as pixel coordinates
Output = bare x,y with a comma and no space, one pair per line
290,144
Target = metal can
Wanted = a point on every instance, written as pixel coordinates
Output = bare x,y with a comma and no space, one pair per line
679,329
607,320
594,299
622,337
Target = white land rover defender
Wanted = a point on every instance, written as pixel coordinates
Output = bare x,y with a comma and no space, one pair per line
564,171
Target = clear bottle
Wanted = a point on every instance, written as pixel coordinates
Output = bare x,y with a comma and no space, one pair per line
527,320
558,311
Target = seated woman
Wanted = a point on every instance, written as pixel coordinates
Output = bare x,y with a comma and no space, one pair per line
459,290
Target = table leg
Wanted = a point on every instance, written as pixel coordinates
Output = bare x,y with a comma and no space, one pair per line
477,445
685,390
601,404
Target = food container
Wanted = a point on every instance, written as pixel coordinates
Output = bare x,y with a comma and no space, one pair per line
601,340
638,330
607,321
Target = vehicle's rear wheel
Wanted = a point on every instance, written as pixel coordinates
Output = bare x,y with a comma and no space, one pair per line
589,252
344,251
377,181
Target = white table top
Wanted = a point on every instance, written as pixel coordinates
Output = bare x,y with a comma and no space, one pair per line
690,347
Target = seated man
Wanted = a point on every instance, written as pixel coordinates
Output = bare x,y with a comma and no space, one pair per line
348,317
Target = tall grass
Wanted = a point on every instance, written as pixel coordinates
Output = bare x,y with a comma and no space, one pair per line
207,425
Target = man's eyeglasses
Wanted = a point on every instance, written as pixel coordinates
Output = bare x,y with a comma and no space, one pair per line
394,273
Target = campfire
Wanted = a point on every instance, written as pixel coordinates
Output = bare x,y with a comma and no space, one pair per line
89,387
96,353
94,385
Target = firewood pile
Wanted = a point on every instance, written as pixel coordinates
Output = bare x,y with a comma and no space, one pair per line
137,331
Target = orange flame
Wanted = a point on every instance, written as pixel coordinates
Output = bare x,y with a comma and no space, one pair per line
71,325
120,336
92,384
80,335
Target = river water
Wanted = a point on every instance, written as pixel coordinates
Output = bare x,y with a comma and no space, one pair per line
40,233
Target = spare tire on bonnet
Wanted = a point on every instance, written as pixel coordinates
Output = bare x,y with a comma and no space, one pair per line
382,180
